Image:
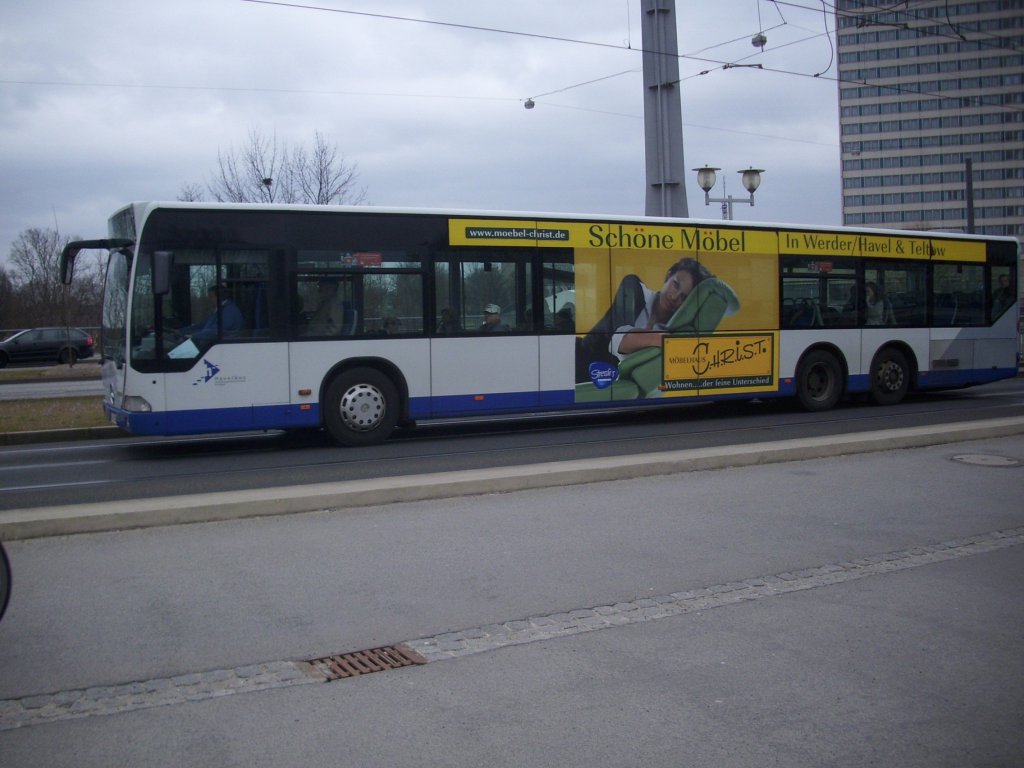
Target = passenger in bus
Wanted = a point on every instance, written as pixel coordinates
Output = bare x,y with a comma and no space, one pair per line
492,320
231,319
877,309
327,317
1002,295
448,322
564,321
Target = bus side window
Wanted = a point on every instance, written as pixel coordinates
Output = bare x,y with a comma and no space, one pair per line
392,303
901,290
559,289
478,278
957,295
818,292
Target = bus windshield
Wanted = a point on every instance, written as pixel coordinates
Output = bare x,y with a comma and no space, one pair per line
115,306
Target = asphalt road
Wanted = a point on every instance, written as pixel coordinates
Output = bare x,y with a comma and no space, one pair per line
851,611
54,474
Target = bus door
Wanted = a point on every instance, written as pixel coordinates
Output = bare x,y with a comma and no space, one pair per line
484,354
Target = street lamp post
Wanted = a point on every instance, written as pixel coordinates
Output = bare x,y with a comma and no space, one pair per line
706,180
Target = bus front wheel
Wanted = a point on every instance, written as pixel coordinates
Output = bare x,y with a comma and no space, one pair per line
890,377
361,407
819,381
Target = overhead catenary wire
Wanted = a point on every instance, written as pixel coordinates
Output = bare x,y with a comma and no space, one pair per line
717,65
561,38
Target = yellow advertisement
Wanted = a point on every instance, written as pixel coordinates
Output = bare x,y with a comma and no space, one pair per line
879,246
664,314
676,239
725,362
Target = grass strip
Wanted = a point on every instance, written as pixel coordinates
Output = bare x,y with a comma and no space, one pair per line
52,372
54,413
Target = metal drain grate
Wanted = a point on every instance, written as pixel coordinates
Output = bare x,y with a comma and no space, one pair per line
366,662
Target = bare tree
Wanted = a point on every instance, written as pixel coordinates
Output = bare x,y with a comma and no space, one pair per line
265,171
322,177
35,258
191,193
37,295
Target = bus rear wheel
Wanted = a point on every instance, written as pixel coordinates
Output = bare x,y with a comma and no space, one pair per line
361,407
819,381
890,377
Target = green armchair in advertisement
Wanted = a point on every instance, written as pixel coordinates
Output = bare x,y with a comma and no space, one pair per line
699,314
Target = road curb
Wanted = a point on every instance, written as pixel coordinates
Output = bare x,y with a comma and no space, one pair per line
175,510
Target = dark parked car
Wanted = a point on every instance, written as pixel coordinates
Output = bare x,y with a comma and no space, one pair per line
46,345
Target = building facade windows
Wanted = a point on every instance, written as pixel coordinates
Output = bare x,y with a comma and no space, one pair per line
924,88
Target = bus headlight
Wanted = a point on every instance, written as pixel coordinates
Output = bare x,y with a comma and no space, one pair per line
136,404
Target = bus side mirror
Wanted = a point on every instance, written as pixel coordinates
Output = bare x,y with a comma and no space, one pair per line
67,263
163,263
72,249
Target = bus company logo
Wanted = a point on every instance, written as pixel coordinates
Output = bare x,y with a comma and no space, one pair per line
211,370
603,375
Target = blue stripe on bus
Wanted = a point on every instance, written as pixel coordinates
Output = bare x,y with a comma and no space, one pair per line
496,402
194,422
935,379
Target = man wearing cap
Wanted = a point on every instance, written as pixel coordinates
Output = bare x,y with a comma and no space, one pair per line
492,320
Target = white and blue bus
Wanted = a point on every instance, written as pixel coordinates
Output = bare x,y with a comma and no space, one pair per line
222,317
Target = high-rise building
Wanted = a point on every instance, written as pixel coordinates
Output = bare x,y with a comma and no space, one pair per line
931,111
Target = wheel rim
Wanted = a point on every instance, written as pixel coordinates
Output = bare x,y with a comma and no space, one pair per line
819,382
362,407
890,376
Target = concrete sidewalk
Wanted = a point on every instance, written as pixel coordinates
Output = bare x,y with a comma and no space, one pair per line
850,611
39,522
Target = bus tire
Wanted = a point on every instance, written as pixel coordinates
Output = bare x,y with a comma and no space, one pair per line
819,381
890,377
361,407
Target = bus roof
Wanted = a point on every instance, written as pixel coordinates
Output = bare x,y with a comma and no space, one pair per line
142,209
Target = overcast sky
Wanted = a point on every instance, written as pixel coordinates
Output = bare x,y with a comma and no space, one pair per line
104,102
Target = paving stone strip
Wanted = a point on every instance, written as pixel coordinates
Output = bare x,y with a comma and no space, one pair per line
199,686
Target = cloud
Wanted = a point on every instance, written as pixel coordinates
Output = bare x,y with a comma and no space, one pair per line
104,102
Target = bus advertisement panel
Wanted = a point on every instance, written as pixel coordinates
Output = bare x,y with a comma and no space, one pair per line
661,311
